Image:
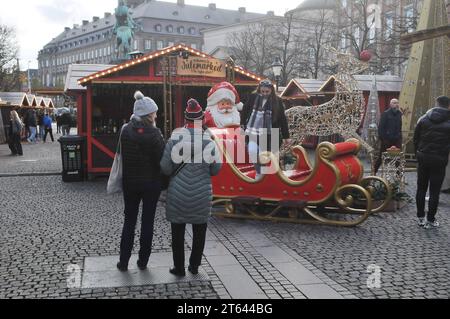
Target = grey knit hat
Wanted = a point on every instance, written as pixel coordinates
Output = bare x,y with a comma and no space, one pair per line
144,105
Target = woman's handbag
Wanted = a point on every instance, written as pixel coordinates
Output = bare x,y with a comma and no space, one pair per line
115,181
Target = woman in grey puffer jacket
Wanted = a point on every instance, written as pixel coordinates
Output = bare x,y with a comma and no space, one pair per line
189,198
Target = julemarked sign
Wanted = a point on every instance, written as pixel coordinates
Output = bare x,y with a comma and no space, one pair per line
194,66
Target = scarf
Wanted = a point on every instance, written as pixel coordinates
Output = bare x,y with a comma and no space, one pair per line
261,118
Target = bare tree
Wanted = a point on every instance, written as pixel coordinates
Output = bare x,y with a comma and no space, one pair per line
252,47
365,27
9,66
318,33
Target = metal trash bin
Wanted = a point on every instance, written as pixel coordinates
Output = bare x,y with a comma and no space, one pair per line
72,154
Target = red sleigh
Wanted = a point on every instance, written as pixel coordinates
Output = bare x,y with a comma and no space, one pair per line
332,192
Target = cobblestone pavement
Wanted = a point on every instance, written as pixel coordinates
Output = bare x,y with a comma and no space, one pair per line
38,158
415,262
46,225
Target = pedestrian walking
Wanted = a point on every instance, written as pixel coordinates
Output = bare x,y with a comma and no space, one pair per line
41,126
263,112
66,121
142,146
47,124
189,198
389,131
15,128
32,124
58,124
446,185
432,145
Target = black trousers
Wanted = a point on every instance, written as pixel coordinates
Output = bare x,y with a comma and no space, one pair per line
383,148
134,193
198,244
14,144
429,175
48,131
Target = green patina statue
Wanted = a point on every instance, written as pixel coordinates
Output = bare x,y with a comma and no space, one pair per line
124,29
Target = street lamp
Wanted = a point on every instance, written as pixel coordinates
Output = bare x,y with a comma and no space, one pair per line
29,78
277,67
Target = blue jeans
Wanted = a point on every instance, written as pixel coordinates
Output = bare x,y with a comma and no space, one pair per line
32,138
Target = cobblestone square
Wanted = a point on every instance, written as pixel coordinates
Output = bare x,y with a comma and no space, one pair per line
48,228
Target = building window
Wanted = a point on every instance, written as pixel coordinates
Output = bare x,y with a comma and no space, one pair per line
389,25
372,33
148,44
135,45
169,28
194,46
192,31
170,44
181,30
343,43
159,45
357,36
109,51
409,15
158,28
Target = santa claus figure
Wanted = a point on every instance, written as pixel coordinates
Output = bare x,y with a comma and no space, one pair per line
223,107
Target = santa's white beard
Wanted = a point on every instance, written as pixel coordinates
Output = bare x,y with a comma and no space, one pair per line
223,120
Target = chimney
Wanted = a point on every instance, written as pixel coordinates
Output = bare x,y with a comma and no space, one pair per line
95,19
180,3
107,14
85,22
271,13
242,10
76,26
212,6
66,29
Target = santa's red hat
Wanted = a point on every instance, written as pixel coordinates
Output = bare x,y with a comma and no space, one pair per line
224,91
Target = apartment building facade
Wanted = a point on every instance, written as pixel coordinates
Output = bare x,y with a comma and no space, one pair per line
162,24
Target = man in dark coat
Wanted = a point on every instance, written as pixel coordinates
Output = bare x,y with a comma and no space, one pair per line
389,131
432,145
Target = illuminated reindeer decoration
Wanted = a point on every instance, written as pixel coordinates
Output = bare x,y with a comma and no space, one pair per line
342,115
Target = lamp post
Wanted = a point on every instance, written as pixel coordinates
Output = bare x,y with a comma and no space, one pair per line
277,67
29,78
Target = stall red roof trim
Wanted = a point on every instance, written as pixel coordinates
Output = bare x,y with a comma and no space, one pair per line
151,56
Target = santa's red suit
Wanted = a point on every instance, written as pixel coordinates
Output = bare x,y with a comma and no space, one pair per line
216,118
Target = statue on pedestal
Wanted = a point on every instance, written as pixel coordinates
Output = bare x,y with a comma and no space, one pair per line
124,30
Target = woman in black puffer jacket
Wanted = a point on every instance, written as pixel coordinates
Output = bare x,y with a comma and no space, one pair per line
142,146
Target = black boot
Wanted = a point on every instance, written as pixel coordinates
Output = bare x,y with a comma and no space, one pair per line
178,272
193,270
122,267
141,266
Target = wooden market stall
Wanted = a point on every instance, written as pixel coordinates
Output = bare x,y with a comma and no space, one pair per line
11,101
170,77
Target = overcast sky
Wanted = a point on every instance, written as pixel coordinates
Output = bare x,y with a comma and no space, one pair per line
37,22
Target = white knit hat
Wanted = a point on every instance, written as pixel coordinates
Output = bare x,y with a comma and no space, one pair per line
144,105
